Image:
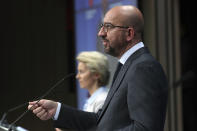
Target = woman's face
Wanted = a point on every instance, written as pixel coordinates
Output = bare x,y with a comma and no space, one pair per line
85,77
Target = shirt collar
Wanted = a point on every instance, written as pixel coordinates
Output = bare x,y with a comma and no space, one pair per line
128,53
95,94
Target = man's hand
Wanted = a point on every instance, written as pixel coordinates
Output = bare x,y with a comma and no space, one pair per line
44,109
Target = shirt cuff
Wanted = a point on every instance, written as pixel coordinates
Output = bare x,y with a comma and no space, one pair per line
57,111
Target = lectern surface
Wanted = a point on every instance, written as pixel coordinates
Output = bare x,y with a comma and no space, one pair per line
3,128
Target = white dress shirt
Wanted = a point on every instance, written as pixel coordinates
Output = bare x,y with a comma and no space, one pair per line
96,100
128,53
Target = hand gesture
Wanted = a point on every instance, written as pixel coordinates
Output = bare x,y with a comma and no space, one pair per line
44,109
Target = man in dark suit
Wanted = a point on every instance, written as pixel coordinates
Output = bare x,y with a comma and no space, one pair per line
137,99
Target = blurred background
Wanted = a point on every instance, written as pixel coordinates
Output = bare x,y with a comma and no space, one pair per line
41,38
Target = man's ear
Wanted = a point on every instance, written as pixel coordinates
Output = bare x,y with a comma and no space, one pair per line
130,33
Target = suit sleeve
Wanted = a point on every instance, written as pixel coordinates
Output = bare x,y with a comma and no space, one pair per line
71,118
147,98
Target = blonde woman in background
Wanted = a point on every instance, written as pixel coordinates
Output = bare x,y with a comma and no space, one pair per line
93,75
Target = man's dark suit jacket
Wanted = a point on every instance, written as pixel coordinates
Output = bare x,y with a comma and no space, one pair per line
136,102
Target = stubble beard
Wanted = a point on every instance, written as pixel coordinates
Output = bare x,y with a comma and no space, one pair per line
111,51
116,51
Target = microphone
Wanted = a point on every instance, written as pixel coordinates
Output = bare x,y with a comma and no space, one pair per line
44,95
4,125
11,110
187,76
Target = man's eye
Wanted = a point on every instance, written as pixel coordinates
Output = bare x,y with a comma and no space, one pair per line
108,26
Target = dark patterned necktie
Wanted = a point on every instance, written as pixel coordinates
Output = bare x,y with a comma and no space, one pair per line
117,71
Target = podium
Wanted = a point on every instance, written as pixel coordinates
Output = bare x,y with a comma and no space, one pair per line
3,128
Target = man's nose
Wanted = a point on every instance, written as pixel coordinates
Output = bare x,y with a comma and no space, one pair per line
101,32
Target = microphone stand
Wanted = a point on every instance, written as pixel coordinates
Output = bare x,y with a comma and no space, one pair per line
54,86
3,125
11,110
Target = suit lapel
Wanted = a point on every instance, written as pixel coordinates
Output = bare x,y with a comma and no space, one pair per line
118,80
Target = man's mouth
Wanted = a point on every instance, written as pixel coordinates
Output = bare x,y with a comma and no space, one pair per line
104,43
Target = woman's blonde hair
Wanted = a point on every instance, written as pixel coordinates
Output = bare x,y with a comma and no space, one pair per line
96,63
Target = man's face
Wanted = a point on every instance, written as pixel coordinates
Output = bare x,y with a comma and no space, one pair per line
113,38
